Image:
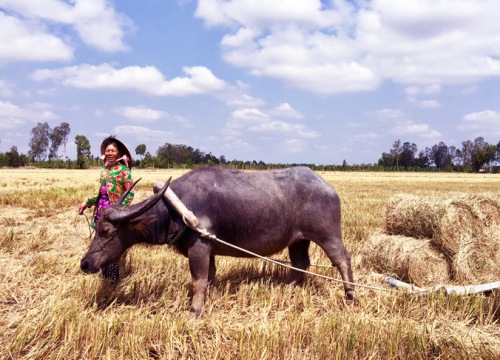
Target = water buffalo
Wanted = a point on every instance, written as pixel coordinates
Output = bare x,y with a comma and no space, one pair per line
263,212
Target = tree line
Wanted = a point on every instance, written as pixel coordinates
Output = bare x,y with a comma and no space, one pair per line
473,156
45,143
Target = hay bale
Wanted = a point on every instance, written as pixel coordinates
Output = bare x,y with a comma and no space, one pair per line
408,259
466,227
478,261
411,215
451,221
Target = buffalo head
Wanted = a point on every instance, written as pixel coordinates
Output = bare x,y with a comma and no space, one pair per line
115,230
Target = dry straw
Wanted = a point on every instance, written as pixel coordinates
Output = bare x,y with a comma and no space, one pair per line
478,260
409,259
465,227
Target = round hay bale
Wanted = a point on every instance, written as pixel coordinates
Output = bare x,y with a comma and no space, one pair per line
412,215
457,226
451,221
479,260
406,258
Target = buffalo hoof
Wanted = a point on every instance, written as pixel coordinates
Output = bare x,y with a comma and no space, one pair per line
194,314
351,298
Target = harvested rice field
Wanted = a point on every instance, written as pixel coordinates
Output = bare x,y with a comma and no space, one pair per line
424,228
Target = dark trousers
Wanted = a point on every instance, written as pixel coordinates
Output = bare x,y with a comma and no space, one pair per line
111,272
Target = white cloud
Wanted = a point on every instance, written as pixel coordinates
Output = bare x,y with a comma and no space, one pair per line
98,25
234,98
256,120
48,91
262,13
286,110
153,138
410,128
141,113
242,37
309,62
432,89
95,21
334,48
387,114
292,146
247,117
28,41
13,116
148,115
470,90
237,144
148,79
429,104
199,80
5,89
369,136
481,123
398,123
282,127
414,92
425,90
284,136
147,133
425,104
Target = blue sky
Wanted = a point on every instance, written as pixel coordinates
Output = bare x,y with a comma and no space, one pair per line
289,81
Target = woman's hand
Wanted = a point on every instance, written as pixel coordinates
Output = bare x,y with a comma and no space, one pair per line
82,208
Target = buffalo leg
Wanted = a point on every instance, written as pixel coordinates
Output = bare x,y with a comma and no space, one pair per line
341,259
211,271
199,265
299,257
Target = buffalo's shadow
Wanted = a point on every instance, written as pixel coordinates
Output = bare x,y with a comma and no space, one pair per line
228,281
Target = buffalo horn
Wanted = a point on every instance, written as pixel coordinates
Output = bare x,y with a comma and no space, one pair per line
120,213
124,195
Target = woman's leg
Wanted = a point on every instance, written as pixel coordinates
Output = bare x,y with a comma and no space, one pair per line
111,272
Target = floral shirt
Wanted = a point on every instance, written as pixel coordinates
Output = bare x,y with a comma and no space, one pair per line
115,180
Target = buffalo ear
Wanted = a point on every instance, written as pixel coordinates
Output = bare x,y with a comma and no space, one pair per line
141,225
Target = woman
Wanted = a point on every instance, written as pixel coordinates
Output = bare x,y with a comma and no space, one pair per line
115,179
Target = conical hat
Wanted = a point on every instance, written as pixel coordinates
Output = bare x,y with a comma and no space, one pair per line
121,148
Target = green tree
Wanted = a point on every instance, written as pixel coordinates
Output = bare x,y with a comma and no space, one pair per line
491,154
149,160
396,152
82,151
58,136
497,156
407,156
13,158
140,150
387,160
441,155
174,154
482,154
39,142
422,160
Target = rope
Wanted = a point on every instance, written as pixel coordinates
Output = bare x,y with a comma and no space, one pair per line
88,224
206,234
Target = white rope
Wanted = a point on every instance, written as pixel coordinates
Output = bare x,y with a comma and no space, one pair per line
206,234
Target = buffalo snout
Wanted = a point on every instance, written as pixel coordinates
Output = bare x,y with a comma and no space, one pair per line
87,267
